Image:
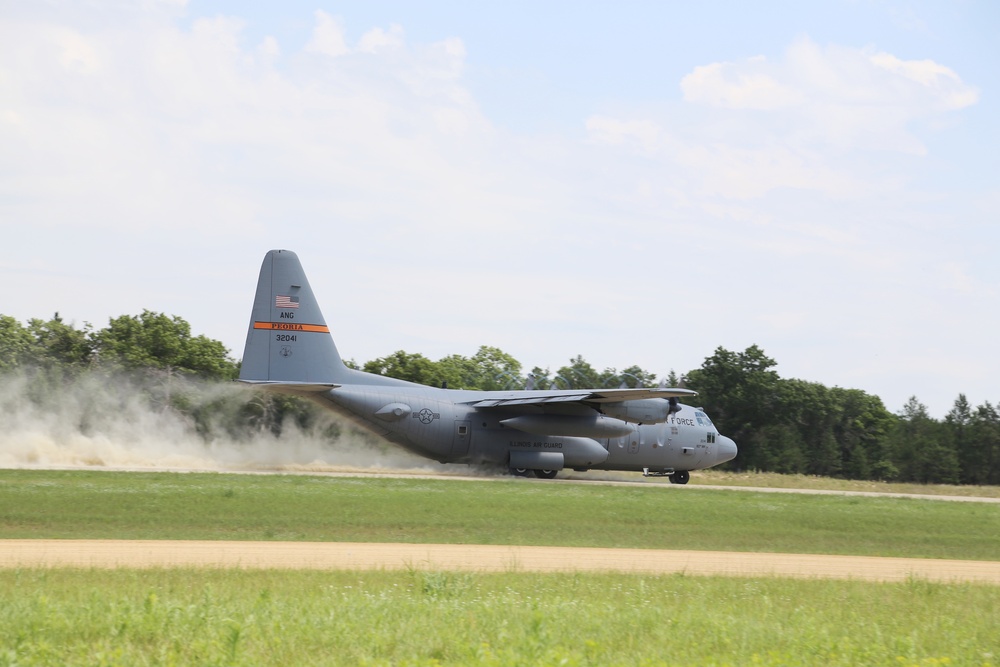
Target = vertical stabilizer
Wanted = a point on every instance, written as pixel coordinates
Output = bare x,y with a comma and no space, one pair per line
288,340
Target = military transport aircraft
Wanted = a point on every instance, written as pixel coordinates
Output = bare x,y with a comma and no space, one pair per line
290,349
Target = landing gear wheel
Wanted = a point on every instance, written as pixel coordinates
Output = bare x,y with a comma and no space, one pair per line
680,477
546,474
520,472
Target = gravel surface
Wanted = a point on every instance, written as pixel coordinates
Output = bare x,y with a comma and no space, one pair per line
477,558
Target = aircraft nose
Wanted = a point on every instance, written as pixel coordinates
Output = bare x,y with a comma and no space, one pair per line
725,449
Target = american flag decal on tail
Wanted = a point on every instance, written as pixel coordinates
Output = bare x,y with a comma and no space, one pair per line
286,301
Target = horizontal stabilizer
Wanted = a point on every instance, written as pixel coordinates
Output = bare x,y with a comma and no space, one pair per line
290,386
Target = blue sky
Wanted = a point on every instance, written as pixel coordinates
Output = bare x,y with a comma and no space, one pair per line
637,183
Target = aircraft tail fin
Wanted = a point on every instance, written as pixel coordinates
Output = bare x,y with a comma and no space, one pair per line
288,343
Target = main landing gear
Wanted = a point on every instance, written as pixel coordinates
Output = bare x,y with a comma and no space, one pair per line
675,476
540,474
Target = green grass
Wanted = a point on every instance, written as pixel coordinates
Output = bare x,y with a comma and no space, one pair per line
776,480
92,504
213,617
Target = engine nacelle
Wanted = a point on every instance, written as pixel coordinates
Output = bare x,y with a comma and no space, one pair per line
641,411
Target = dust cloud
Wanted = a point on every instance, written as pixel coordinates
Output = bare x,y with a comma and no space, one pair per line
115,421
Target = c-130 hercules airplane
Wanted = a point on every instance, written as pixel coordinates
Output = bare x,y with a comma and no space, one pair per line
290,349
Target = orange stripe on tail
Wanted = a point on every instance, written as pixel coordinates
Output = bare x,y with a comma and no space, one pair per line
289,326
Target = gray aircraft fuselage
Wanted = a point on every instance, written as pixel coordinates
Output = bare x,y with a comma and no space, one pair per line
289,349
439,424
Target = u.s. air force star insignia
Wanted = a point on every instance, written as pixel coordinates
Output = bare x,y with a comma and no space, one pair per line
426,416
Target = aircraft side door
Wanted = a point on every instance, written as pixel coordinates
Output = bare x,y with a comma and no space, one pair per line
460,440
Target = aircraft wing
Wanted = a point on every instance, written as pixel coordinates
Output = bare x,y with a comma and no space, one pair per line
531,397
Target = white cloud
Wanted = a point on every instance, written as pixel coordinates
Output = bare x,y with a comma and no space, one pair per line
377,39
160,127
76,53
940,83
646,134
738,86
797,122
269,49
845,97
328,36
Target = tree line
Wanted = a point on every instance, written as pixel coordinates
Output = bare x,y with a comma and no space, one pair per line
781,425
147,341
794,426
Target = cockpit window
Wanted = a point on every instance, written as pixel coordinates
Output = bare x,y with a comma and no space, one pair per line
702,418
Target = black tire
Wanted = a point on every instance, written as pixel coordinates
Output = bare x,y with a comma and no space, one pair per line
680,477
546,474
520,472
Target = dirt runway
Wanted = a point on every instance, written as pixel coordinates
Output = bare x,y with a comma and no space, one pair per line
478,558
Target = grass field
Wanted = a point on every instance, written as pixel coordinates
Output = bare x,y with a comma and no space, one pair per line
130,617
779,481
90,504
232,617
